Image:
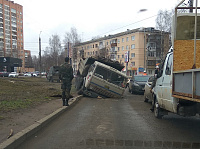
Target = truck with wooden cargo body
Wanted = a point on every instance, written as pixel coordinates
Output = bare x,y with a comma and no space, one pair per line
100,77
177,90
53,74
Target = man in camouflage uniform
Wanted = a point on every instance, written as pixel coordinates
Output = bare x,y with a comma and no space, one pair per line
66,76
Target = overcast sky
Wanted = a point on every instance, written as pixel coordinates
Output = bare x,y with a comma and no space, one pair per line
90,17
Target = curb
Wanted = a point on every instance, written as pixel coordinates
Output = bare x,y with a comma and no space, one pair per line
21,136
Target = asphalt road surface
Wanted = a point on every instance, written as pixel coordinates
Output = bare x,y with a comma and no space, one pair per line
116,123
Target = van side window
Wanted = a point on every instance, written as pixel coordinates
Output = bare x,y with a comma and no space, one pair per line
169,65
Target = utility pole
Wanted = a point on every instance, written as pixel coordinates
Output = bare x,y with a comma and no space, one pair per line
144,50
40,54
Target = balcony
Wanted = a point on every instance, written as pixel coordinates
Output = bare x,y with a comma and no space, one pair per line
113,50
113,44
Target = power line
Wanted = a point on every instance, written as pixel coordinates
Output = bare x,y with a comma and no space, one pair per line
125,26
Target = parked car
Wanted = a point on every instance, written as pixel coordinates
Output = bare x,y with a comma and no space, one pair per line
43,73
148,96
4,74
137,83
34,74
13,75
28,74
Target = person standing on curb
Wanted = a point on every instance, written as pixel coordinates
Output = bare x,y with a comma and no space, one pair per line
66,76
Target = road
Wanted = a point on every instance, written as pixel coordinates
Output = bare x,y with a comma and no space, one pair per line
116,123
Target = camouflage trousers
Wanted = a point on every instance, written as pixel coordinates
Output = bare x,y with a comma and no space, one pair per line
66,88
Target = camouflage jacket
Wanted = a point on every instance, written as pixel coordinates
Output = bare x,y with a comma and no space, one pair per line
66,72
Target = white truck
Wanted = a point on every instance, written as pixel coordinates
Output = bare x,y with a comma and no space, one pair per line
100,77
177,90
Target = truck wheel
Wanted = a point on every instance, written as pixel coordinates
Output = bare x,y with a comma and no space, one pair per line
157,110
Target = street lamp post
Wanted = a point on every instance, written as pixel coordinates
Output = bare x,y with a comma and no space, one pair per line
144,50
40,54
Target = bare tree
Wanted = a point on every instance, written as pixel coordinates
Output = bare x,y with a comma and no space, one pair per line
164,20
55,48
73,38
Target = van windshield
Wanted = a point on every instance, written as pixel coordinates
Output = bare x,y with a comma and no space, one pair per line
110,76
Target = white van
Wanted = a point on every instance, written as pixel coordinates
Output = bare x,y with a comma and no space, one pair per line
164,101
104,80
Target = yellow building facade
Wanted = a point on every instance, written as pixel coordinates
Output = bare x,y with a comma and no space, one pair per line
138,43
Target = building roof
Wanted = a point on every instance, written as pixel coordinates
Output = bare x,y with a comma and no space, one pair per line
148,29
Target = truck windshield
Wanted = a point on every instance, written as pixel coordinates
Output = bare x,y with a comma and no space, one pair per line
110,76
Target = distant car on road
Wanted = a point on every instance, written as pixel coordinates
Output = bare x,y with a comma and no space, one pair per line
28,74
13,75
137,83
4,74
34,74
43,73
148,96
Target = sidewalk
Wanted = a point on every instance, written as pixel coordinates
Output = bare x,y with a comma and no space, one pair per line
33,120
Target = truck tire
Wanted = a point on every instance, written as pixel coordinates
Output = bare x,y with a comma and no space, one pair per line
157,112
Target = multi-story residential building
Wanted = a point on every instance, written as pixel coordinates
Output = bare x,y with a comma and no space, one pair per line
146,48
28,62
11,30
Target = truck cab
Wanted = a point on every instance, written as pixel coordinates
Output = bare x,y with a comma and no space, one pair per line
163,89
164,101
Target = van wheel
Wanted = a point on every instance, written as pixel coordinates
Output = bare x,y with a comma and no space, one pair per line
157,110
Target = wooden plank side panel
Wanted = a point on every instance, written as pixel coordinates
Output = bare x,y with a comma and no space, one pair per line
184,55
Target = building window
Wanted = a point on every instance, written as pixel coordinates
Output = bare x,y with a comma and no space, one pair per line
118,49
88,53
132,37
107,43
13,10
126,38
122,39
122,55
133,46
122,47
133,63
132,54
118,41
150,72
126,47
118,56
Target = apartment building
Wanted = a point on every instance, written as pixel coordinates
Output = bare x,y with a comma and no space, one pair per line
11,30
144,48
